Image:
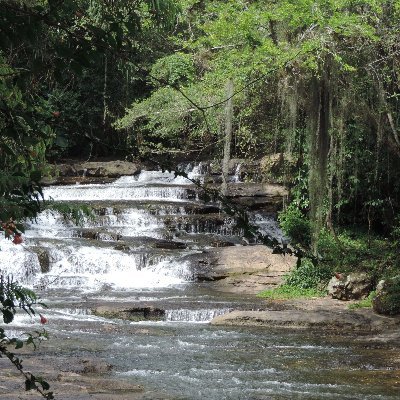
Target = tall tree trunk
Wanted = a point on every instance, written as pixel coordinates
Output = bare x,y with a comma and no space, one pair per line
105,109
228,137
319,150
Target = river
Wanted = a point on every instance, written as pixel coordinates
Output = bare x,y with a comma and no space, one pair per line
133,251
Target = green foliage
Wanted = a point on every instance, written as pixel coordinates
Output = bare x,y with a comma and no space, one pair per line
173,70
77,213
168,121
357,250
13,297
307,280
295,225
309,275
395,233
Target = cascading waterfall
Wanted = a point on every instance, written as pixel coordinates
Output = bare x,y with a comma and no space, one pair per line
115,247
18,261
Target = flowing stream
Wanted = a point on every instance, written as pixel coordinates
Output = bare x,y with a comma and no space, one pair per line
133,251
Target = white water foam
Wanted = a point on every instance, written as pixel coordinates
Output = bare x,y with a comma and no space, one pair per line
17,260
148,185
200,315
129,222
115,192
92,268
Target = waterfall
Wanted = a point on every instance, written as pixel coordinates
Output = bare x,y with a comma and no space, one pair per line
236,175
132,240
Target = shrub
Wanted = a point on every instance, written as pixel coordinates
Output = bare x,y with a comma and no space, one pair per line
309,275
295,225
387,300
365,303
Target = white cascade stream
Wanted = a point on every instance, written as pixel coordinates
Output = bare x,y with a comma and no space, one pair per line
117,249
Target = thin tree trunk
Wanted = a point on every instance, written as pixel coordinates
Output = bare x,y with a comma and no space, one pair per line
392,126
319,149
105,91
228,137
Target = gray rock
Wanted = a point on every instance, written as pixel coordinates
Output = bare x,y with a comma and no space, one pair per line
111,169
322,319
241,269
91,366
66,170
354,286
43,257
169,245
140,313
256,196
91,172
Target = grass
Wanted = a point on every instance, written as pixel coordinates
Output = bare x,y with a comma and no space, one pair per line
287,292
365,303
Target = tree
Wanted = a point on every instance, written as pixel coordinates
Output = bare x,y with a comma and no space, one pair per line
316,79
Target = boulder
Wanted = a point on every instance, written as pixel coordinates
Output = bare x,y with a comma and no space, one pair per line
66,170
121,247
90,172
354,286
241,269
256,196
111,169
274,167
169,245
322,319
91,366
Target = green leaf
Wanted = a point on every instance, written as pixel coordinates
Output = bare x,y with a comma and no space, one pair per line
36,176
7,149
45,385
30,384
8,316
8,303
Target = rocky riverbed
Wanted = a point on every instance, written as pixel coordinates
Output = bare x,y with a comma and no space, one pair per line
91,378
